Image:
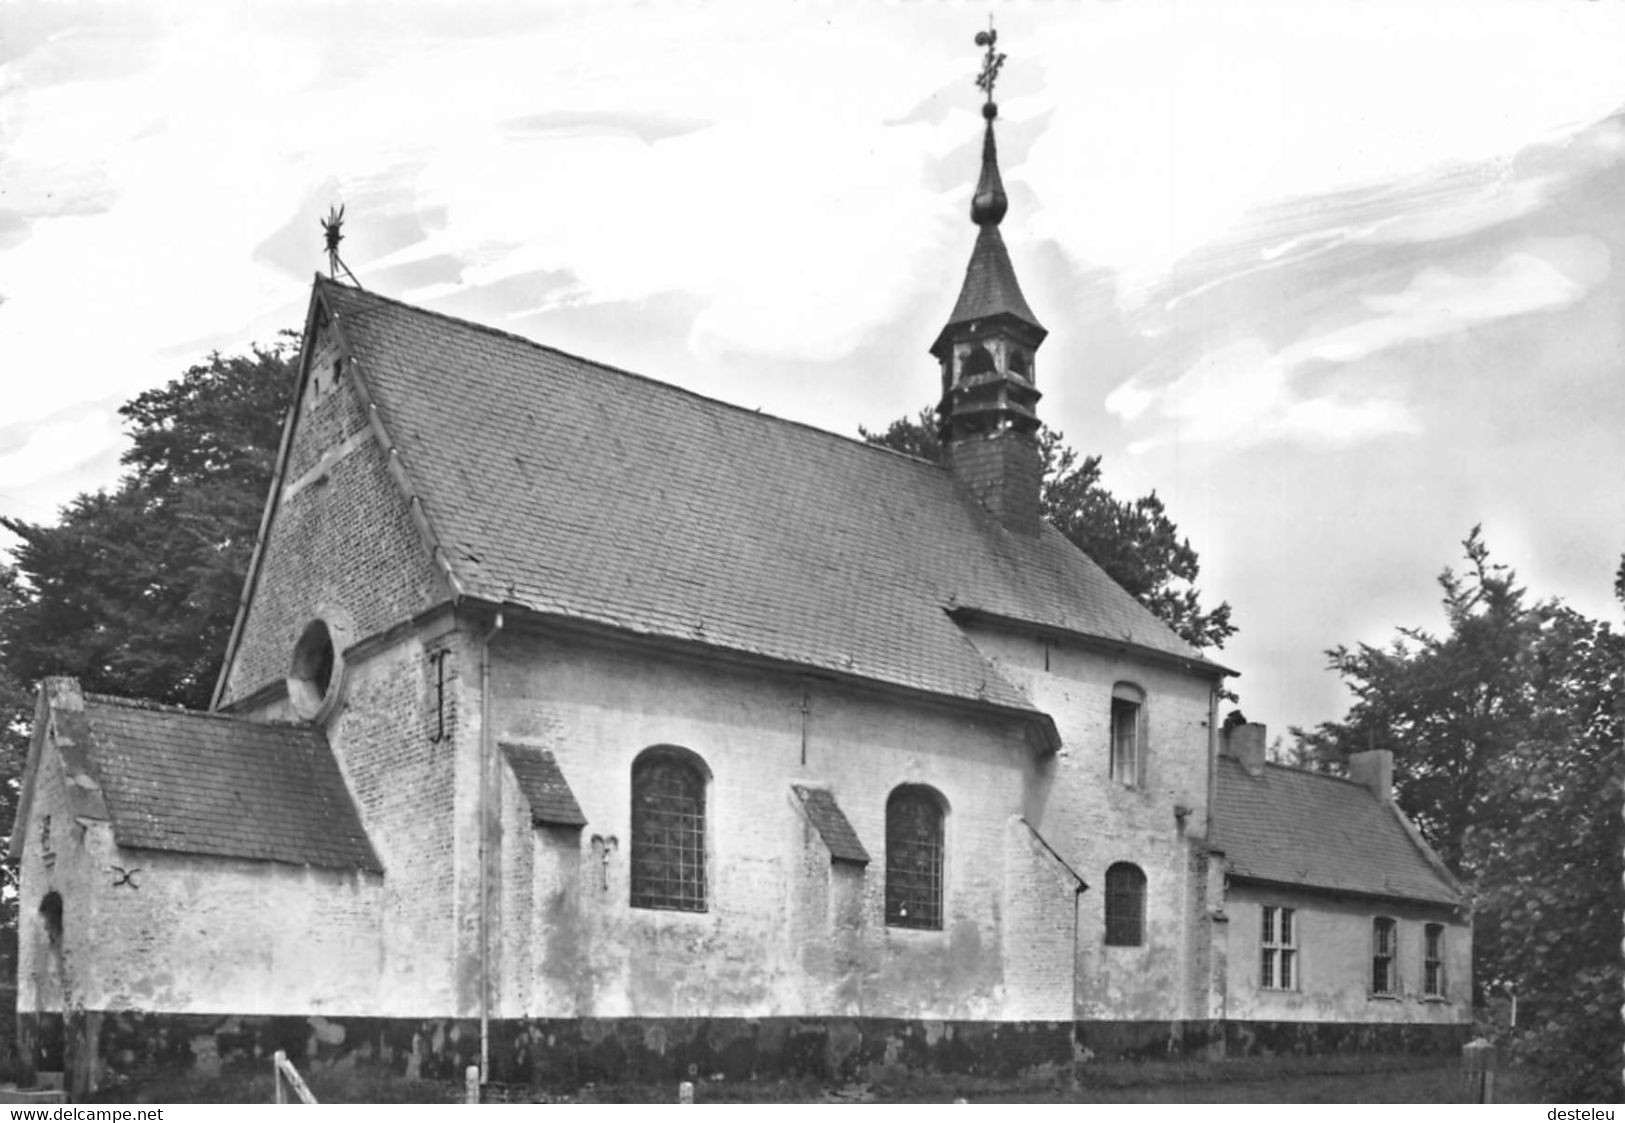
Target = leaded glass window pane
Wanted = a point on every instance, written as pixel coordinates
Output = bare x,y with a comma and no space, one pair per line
668,834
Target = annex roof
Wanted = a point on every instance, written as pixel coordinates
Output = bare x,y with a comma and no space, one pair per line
1292,827
204,783
571,488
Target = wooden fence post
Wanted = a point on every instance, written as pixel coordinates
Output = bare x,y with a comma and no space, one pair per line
1478,1071
276,1076
471,1084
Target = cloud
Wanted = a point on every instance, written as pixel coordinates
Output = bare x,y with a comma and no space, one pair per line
1245,392
59,445
1438,302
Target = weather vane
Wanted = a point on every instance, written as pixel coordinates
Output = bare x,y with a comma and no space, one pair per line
332,235
991,62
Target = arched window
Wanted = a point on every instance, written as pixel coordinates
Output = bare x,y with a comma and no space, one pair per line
914,816
1125,905
668,830
1128,723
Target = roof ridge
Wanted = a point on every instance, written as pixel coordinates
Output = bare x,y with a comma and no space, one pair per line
624,373
1310,772
153,706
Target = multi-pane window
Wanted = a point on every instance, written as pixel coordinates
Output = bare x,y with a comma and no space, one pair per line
1383,940
1128,704
1125,905
914,858
1433,961
1278,959
668,832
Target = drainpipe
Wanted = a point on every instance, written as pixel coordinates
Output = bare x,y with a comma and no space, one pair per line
1212,757
486,754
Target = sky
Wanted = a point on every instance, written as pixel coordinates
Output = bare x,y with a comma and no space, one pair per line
1335,280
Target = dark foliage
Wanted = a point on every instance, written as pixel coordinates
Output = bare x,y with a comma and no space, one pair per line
1507,740
135,591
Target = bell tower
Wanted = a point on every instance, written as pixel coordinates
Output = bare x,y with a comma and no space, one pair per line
988,419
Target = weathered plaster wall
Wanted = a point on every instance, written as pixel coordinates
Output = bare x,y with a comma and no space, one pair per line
1334,961
785,932
1094,821
406,742
342,536
184,933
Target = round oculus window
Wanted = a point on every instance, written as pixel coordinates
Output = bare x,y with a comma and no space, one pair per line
315,674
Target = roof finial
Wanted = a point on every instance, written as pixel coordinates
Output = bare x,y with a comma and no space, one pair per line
332,235
989,203
991,62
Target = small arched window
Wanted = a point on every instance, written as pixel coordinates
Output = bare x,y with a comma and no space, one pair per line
914,819
668,830
978,360
1125,905
1128,737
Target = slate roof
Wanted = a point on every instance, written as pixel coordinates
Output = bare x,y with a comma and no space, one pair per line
1292,827
203,783
544,787
566,487
831,823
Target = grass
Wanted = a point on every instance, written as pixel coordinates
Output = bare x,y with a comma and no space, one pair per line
1334,1079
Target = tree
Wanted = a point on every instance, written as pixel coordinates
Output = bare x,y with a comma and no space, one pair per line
1449,707
135,591
1135,542
1506,733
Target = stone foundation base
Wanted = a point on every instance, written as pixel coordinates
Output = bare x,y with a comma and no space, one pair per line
106,1049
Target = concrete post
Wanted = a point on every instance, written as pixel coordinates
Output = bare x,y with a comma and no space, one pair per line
685,1092
471,1084
1478,1071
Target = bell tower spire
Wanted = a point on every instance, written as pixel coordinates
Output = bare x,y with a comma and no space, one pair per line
987,417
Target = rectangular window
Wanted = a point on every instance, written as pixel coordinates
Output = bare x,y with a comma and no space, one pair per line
1433,961
1278,962
1383,940
1125,741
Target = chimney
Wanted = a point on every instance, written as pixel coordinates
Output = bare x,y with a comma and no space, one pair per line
1375,769
62,693
1245,745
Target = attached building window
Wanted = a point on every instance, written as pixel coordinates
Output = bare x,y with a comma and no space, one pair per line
914,820
1383,940
1128,720
1125,905
1433,961
668,830
1278,963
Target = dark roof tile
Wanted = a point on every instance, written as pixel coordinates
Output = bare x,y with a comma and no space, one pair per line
203,783
603,496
